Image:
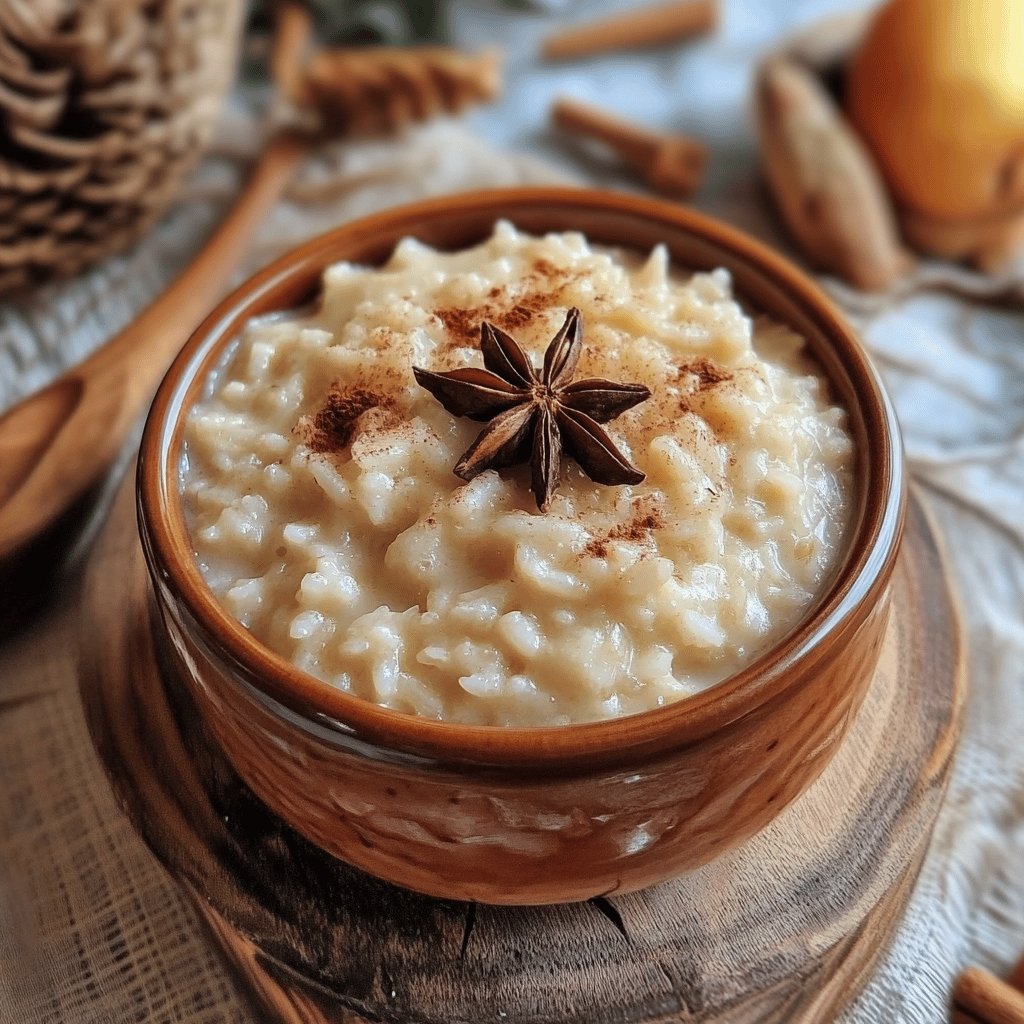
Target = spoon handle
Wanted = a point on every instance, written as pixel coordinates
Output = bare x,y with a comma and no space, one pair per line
56,443
151,341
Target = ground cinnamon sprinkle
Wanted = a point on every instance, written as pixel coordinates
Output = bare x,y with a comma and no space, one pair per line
517,316
637,529
547,269
333,428
463,325
508,311
708,374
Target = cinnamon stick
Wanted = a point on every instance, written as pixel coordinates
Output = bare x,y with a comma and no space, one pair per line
1016,976
985,998
645,26
293,36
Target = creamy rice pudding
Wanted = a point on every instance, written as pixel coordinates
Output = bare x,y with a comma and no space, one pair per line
319,487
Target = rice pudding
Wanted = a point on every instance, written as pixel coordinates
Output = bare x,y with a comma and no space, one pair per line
325,514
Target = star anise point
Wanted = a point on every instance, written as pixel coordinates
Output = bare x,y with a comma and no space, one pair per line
533,416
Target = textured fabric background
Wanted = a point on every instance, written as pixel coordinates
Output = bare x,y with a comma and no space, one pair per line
92,930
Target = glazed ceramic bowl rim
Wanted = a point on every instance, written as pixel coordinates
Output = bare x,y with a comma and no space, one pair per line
314,704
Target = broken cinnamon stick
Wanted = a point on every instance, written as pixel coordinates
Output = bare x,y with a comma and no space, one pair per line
646,26
673,164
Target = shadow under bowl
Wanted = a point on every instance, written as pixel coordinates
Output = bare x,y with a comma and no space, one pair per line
533,815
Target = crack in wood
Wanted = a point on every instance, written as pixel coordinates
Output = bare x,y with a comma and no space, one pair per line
610,911
387,983
689,995
671,979
467,928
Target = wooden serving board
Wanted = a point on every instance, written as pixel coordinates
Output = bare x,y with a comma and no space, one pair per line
786,928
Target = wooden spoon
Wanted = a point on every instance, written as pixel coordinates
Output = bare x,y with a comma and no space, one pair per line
58,442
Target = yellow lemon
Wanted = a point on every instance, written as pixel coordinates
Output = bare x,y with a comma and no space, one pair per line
937,91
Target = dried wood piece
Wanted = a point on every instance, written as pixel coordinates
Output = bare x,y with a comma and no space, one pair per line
646,26
982,997
673,164
786,929
377,89
828,191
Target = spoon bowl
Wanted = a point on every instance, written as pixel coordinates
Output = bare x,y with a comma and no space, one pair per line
27,430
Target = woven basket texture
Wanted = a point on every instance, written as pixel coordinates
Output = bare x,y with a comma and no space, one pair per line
105,106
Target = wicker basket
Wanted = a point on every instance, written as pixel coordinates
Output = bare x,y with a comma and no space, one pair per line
105,105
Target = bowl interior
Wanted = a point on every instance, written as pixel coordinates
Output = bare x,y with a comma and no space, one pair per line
764,282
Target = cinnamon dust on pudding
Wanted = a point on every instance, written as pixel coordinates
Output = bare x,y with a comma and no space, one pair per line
707,373
510,308
636,530
334,425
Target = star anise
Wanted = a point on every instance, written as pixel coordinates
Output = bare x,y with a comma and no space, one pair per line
536,415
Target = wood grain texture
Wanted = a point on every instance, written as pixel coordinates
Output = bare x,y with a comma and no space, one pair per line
981,996
786,928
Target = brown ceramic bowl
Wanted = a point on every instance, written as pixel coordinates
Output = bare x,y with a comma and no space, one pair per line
533,815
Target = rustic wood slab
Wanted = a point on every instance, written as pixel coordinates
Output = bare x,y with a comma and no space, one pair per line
785,929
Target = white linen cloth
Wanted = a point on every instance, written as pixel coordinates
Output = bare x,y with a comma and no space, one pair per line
93,931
